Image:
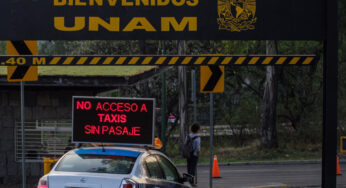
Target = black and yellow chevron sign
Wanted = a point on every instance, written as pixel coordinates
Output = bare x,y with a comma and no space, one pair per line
212,79
197,60
21,73
343,144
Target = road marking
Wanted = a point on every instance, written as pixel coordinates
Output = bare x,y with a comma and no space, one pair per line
272,185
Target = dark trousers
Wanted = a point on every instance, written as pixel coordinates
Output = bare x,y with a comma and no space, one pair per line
192,166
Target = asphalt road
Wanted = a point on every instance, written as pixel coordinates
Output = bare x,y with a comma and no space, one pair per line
258,176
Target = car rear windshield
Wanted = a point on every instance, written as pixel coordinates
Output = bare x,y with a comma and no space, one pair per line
111,164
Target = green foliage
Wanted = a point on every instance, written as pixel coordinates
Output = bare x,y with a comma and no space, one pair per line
227,153
300,89
299,95
299,106
52,47
247,107
3,47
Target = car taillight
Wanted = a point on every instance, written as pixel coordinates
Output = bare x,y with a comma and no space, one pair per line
128,183
43,182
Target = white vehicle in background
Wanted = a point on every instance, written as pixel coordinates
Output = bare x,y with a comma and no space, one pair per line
114,167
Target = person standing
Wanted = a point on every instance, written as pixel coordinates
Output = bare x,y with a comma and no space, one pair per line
192,160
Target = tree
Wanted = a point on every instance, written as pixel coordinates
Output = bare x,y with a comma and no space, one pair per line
298,87
182,97
268,116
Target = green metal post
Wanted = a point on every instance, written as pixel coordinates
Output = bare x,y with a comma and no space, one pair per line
163,104
193,94
211,137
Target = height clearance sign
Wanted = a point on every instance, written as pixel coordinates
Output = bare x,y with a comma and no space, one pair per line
113,120
162,19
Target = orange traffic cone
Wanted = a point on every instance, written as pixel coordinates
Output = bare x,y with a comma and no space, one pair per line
338,172
216,171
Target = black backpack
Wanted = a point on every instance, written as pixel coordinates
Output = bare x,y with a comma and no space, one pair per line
188,147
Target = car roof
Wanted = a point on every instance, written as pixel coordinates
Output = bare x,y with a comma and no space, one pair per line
122,151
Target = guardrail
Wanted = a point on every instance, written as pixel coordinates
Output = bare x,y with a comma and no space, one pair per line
42,139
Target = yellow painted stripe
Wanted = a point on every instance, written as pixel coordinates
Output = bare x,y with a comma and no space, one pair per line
308,60
226,60
55,60
108,60
173,60
199,60
186,60
133,60
11,50
68,60
32,45
120,60
267,60
294,60
160,60
81,60
240,60
213,60
253,60
147,60
281,60
95,60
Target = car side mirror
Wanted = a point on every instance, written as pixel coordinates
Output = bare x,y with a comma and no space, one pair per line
188,178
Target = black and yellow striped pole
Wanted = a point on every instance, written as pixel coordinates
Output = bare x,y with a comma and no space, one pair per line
192,60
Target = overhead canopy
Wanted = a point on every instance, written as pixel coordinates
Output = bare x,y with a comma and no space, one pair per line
84,76
85,71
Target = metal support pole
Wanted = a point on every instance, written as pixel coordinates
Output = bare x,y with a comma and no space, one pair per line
193,85
163,111
211,140
163,104
23,133
330,90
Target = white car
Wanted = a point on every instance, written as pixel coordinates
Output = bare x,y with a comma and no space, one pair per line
114,167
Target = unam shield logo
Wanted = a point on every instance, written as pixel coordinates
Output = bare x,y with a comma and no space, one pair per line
236,15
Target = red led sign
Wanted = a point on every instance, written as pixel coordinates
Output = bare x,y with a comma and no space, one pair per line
113,120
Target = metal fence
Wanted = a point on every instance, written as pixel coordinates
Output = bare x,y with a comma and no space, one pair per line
43,139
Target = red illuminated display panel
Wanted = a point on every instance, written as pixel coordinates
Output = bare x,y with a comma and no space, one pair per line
113,120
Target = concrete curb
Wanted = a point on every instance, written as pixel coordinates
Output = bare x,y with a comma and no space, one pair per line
271,186
286,186
301,162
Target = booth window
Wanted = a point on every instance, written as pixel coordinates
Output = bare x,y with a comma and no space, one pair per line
43,139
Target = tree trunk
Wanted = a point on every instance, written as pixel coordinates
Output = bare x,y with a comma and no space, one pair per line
268,116
144,85
182,97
